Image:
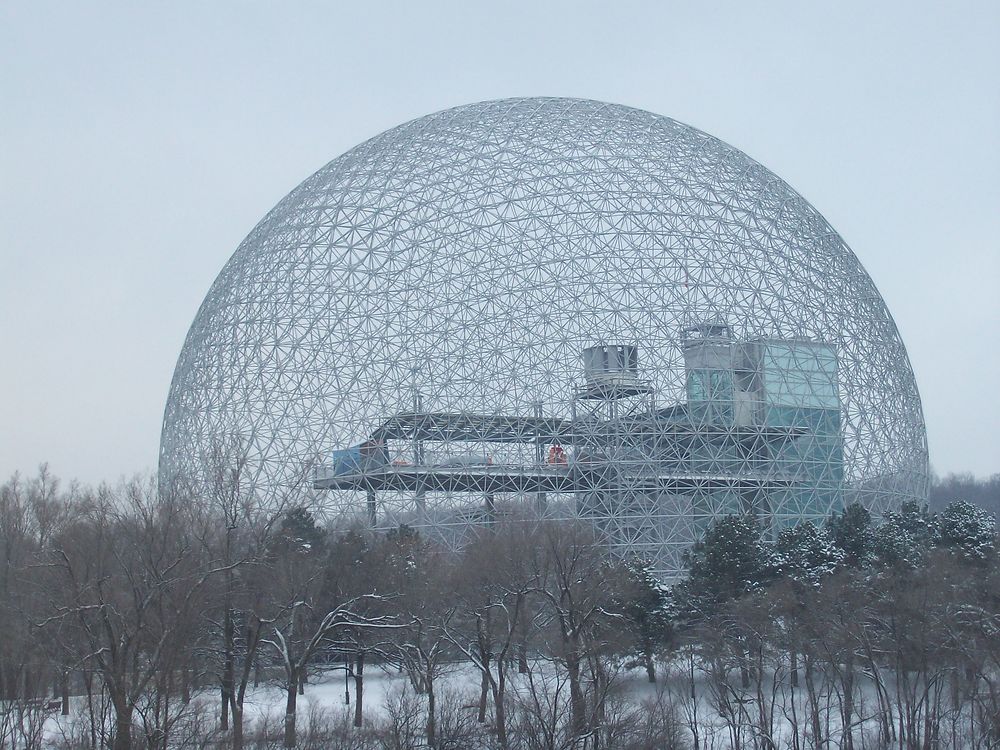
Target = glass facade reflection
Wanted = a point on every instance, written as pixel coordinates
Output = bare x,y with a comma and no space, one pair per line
747,390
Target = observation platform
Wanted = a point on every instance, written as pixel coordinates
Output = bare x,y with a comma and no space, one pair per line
497,479
455,427
648,452
473,428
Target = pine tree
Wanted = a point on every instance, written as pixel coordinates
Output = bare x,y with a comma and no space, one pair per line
646,604
807,554
852,532
299,534
968,530
904,537
731,560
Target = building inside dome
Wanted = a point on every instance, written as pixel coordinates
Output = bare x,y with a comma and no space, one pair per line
550,307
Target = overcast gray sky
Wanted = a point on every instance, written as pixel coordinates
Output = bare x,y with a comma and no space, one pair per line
140,142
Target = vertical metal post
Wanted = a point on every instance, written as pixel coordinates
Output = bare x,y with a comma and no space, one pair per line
372,515
417,410
579,442
491,510
540,499
418,452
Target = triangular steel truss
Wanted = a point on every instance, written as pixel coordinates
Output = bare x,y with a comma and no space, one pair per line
436,288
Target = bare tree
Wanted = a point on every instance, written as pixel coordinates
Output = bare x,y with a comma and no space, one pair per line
30,513
243,526
295,647
493,582
415,577
355,567
576,585
124,582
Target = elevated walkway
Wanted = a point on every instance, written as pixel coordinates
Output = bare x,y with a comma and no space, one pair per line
496,479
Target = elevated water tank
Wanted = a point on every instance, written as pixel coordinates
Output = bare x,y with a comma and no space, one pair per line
611,365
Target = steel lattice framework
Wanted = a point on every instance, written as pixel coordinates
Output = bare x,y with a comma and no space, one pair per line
429,296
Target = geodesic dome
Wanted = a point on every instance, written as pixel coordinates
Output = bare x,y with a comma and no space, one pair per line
591,308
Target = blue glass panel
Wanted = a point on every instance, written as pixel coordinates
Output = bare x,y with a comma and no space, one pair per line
801,374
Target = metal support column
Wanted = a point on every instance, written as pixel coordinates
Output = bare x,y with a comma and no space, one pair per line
372,515
540,498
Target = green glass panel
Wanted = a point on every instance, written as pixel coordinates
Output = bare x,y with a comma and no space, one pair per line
801,374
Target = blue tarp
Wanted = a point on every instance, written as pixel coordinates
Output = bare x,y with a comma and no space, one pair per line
347,461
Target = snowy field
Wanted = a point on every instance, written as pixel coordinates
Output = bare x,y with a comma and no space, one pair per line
723,715
387,693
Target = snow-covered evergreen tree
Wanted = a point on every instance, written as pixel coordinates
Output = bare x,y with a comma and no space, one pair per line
806,554
968,530
298,534
731,560
852,532
647,606
904,537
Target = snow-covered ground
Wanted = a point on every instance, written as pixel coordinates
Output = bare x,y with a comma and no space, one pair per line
458,690
325,695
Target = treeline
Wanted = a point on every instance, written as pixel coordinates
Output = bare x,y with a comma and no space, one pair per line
854,634
155,614
143,606
982,492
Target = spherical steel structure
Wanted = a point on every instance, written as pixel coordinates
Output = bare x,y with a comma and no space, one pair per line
584,308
